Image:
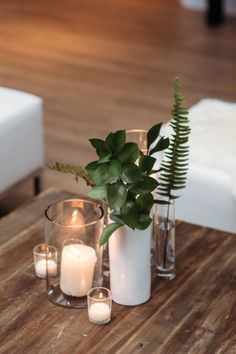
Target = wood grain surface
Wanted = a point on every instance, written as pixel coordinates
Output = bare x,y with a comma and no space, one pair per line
194,313
102,65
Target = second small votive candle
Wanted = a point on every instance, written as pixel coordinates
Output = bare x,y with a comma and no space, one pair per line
99,305
45,259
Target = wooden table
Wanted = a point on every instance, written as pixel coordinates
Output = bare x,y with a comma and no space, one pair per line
194,313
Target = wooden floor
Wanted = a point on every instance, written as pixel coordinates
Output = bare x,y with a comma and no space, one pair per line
102,65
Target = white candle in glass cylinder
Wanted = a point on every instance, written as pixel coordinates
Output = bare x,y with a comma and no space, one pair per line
40,268
77,268
99,312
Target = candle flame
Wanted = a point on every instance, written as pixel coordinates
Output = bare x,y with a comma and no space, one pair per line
77,218
100,296
74,216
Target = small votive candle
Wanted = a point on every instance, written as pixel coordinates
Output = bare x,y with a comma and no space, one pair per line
99,305
45,259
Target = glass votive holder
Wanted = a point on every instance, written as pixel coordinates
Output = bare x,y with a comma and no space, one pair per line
99,305
45,260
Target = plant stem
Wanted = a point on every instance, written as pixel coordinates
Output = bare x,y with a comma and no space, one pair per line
167,237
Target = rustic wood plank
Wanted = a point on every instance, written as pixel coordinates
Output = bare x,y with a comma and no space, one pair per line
188,264
203,301
191,314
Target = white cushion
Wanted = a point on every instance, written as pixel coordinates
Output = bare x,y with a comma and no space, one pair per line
21,136
210,196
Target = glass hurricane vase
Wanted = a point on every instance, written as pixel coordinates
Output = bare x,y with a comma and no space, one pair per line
74,228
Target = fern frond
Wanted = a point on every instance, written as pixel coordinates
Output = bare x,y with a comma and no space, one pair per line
175,162
76,170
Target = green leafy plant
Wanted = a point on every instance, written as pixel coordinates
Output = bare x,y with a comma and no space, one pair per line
122,174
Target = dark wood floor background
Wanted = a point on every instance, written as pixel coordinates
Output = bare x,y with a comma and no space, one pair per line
102,65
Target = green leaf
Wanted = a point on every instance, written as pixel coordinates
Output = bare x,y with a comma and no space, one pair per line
91,166
130,214
115,141
175,162
146,163
160,201
119,140
162,144
107,232
116,218
130,173
144,222
129,153
148,184
104,154
116,194
98,192
108,142
101,149
131,196
144,203
97,143
101,175
104,159
115,168
153,134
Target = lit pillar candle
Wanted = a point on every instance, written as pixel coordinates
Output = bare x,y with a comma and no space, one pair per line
77,269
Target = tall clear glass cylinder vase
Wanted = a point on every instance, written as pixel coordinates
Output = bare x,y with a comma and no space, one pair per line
73,227
138,136
164,235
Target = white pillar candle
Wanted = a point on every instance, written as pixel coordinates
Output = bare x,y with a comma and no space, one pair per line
77,268
99,312
40,268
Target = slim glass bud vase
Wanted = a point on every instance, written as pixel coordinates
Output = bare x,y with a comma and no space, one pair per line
164,231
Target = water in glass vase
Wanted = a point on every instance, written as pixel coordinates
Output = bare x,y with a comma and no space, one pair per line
165,250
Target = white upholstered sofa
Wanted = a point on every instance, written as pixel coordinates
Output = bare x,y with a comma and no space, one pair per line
210,196
21,138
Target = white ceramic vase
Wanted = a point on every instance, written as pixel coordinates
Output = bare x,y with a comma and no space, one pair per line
130,266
